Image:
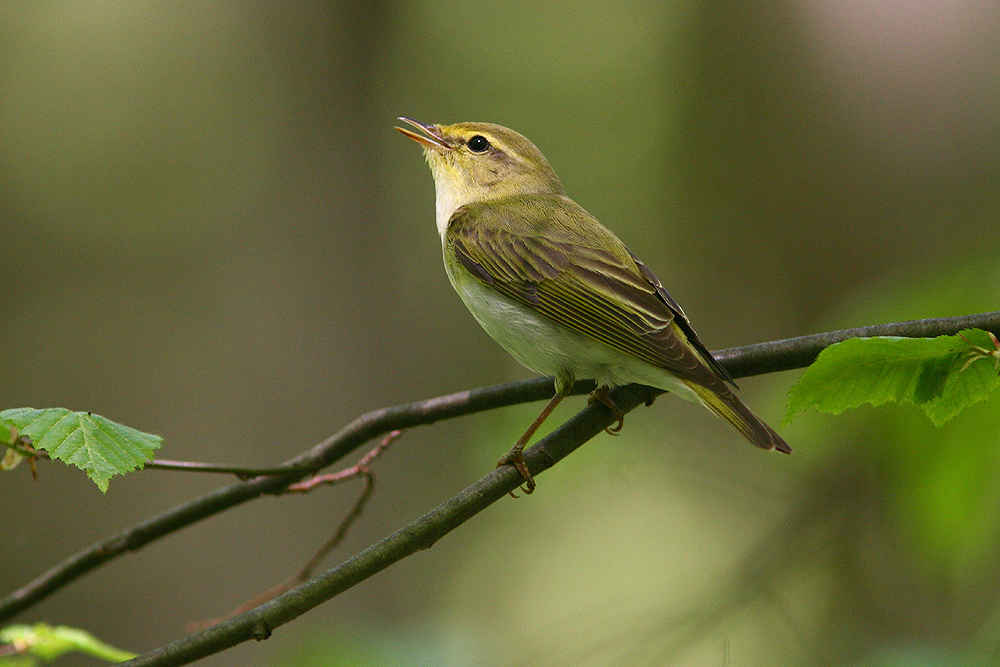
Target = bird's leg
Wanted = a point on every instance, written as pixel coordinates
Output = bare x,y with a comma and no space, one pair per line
601,394
515,456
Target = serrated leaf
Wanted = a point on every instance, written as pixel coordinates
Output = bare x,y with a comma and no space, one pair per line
48,642
942,375
93,443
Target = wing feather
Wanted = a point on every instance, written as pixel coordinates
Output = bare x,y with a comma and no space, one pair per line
521,247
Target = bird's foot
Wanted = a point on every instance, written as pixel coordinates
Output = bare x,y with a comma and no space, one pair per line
515,457
601,394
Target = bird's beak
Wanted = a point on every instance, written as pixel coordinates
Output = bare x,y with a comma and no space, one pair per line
432,140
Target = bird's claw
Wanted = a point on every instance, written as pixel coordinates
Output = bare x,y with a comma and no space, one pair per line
515,457
601,394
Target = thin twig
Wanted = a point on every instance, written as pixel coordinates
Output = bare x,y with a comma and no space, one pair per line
25,449
240,472
360,469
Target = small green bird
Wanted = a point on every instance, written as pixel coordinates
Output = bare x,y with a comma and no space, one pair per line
558,290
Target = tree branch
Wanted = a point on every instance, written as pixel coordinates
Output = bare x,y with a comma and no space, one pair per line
421,534
790,353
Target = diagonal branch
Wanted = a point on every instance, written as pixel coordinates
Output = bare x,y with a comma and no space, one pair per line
422,533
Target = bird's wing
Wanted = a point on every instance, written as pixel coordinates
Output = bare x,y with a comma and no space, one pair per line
521,247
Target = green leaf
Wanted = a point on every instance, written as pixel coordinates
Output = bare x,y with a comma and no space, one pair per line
18,661
90,442
48,643
942,375
8,434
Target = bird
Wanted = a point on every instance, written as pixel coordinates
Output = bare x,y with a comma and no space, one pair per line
556,288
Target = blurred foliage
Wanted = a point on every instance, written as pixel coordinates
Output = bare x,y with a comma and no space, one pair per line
213,200
46,643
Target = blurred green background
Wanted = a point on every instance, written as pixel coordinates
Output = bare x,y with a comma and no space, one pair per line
212,232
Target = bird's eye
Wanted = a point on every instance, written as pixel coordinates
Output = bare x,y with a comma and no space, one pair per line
478,144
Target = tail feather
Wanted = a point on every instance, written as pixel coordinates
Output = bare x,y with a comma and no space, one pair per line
727,405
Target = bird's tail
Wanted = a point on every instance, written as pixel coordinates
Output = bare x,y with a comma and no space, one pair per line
723,402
